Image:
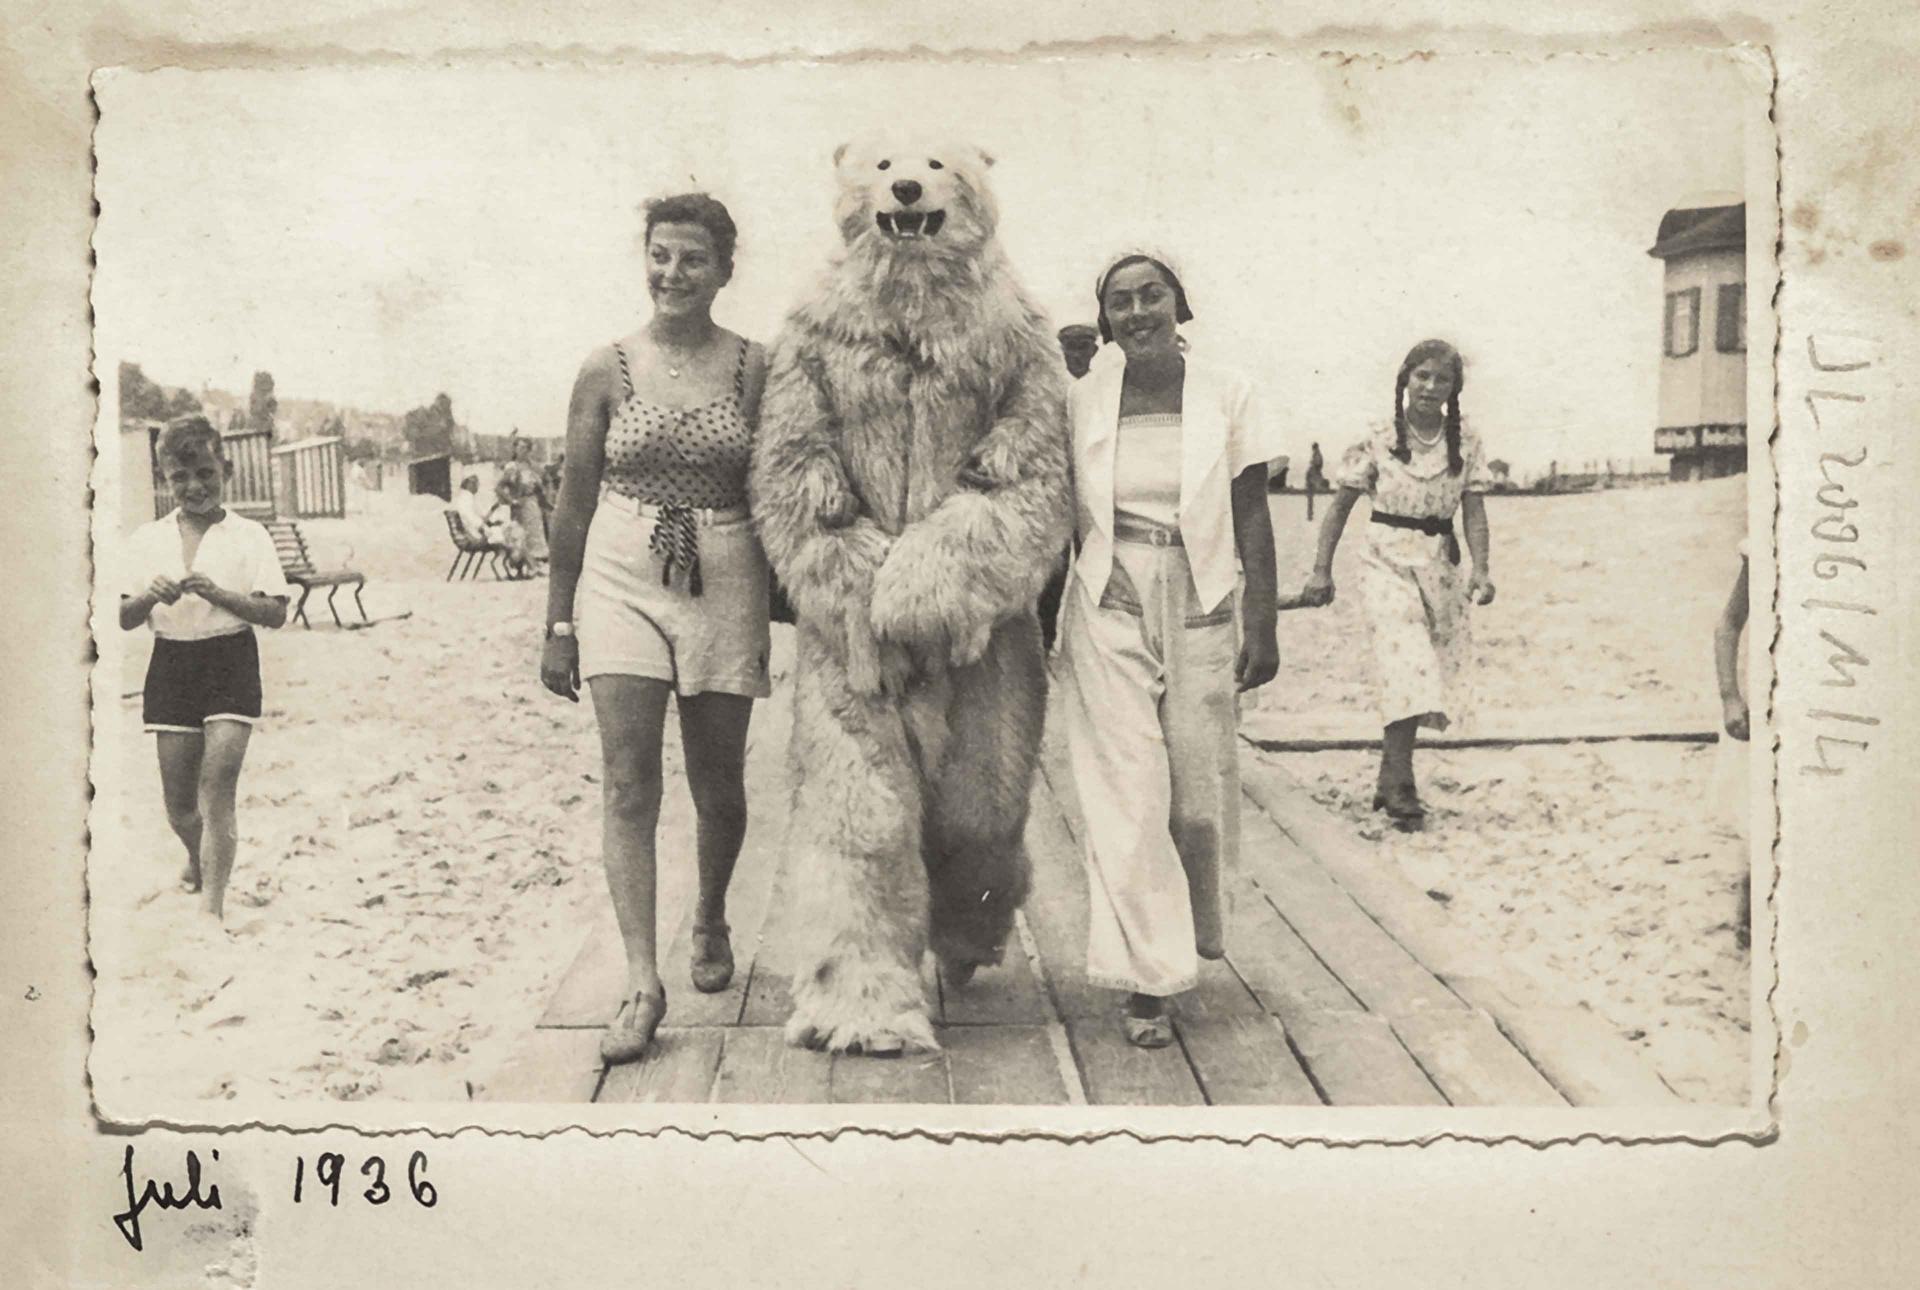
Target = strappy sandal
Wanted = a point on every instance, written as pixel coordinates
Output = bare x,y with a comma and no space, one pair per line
631,1033
712,966
1148,1032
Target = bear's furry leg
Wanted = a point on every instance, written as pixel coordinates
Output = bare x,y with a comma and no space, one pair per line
977,813
857,869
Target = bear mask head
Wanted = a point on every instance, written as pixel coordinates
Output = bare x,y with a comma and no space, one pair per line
912,197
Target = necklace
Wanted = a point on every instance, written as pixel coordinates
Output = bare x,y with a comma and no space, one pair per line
1428,439
677,358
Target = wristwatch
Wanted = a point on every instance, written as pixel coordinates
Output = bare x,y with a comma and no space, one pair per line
562,628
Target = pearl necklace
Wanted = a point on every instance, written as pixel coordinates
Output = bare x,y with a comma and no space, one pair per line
1426,439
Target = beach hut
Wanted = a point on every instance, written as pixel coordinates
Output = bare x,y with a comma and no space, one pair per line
1702,426
309,478
432,476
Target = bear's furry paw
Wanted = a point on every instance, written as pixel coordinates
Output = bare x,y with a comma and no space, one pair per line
874,1036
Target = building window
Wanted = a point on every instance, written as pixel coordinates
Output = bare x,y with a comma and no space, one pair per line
1683,322
1730,319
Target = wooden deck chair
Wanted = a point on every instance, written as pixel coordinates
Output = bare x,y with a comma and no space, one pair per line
297,564
471,551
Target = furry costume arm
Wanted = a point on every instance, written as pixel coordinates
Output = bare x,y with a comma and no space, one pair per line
823,550
984,554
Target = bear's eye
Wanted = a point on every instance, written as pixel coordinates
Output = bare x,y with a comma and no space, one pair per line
934,165
885,164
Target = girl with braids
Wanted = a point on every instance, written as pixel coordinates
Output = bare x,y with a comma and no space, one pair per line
1417,471
655,555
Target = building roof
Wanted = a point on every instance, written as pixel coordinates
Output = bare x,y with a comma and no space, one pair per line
1699,229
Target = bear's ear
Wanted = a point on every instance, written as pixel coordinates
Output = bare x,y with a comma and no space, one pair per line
986,158
840,153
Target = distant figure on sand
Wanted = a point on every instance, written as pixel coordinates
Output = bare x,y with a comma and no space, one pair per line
524,488
202,578
1731,771
654,555
1316,480
1418,469
1170,492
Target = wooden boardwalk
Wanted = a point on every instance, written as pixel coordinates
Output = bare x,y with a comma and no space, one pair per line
1343,986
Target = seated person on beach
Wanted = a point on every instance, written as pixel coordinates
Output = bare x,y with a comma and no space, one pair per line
1418,470
466,505
504,529
202,578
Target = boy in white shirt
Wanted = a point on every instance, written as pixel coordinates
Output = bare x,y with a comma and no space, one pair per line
202,578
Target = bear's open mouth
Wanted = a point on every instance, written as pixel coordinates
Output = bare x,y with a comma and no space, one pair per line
910,224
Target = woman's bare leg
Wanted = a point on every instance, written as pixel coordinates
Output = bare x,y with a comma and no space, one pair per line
179,753
713,734
225,750
631,713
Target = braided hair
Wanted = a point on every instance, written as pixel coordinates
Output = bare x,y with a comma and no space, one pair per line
1429,349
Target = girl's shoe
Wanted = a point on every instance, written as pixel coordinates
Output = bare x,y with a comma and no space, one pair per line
1402,805
712,958
631,1033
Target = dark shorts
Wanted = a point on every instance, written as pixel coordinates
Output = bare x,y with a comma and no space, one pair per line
190,683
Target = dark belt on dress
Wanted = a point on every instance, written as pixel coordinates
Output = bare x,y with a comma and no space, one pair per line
1424,524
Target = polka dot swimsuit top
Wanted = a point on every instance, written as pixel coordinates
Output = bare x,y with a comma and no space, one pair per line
691,457
680,459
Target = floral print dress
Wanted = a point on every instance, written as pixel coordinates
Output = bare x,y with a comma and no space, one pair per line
1414,596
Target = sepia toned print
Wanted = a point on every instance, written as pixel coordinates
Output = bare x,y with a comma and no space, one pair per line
1035,589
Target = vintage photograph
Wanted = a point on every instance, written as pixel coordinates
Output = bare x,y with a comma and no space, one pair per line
1097,581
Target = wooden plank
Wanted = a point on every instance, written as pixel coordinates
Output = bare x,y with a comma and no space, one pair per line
1471,1061
769,995
1411,917
1244,1061
589,992
1586,1058
918,1079
1374,966
678,1067
1003,1066
751,889
1355,1060
1280,731
1010,994
1056,912
758,1065
1116,1073
1219,993
1274,962
558,1066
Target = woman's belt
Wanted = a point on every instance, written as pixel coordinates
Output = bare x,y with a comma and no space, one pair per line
1424,524
676,532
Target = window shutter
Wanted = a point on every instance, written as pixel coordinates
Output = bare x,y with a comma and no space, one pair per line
1730,319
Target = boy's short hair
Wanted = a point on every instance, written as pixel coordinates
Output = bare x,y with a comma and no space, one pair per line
184,434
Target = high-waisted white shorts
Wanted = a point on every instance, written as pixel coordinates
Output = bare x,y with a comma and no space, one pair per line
631,622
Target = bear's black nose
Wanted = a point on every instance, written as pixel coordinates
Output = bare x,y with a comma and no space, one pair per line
907,191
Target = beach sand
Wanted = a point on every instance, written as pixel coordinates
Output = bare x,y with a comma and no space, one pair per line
419,821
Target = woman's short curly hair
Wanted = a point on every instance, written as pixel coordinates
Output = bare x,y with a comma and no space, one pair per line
696,208
183,434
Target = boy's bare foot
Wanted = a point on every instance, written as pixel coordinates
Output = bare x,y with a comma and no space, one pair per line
190,879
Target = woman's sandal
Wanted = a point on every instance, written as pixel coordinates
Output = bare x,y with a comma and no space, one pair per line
631,1033
1148,1032
712,967
1402,805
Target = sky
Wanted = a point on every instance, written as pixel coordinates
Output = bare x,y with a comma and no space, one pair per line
375,236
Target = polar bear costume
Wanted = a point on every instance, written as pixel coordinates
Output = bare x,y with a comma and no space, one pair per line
910,481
